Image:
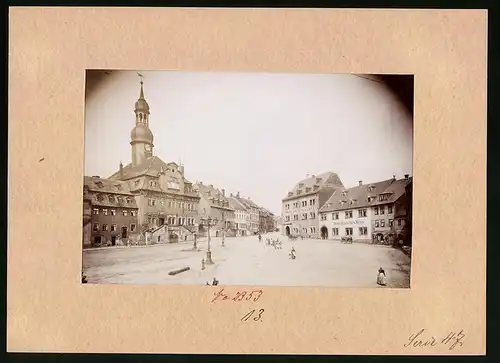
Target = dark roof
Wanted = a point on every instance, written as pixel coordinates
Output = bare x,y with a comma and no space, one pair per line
99,191
314,184
152,166
356,197
394,191
213,196
236,204
247,203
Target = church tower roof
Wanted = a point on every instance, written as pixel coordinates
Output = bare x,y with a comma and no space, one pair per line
142,105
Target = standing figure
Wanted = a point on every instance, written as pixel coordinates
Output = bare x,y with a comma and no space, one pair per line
381,278
293,253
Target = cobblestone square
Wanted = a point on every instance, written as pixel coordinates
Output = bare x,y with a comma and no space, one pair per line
246,261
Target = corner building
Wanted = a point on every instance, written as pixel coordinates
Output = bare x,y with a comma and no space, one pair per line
301,206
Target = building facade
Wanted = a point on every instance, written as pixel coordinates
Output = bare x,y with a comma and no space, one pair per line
241,216
214,204
366,213
300,208
253,211
114,213
162,193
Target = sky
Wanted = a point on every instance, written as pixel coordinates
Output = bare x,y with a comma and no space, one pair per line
254,133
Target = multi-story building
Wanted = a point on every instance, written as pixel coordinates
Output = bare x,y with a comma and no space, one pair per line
114,213
253,210
162,193
301,205
267,223
241,216
366,212
214,204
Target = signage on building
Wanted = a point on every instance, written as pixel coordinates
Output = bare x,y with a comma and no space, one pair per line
346,223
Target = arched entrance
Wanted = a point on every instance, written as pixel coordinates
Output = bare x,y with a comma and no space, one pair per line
287,230
380,237
324,232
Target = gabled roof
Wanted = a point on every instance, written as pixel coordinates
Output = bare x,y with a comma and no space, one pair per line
393,192
100,185
213,195
355,197
108,193
314,184
236,204
248,203
152,166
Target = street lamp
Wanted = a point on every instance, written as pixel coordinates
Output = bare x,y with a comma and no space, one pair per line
223,229
209,222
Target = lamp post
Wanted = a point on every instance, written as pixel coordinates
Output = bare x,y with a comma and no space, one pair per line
208,222
223,229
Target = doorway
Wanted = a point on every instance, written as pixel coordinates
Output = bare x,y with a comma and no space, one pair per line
324,232
97,240
124,232
162,221
287,230
113,240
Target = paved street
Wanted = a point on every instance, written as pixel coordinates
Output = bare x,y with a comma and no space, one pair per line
245,261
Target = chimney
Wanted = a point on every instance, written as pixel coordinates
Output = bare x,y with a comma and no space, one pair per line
201,183
181,169
394,177
231,195
407,176
211,185
223,192
121,171
360,182
96,177
237,194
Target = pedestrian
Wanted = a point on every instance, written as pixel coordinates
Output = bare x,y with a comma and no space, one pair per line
215,282
381,278
293,253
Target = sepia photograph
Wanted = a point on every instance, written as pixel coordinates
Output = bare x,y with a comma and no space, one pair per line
253,179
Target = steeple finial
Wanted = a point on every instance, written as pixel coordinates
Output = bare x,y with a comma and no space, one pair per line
142,90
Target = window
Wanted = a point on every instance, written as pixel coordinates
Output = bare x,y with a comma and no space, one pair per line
348,214
287,218
129,200
125,213
376,211
95,227
152,202
304,215
323,217
382,223
313,215
335,215
111,199
335,231
312,229
95,211
99,184
376,223
105,212
113,212
348,231
363,231
133,213
104,227
362,213
118,186
113,227
296,217
389,209
399,222
391,222
382,210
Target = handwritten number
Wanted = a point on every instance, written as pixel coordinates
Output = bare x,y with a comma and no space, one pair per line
242,295
248,315
259,317
259,292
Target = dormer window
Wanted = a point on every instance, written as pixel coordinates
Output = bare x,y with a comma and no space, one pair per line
384,197
344,193
301,185
99,184
290,194
118,186
111,199
318,180
299,192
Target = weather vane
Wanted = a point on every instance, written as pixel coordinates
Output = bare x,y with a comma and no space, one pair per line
140,75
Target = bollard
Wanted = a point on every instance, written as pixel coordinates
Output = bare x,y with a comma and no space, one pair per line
203,264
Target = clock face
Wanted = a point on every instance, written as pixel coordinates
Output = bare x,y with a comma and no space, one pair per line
147,147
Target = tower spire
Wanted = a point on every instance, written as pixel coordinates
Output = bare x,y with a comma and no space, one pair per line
141,96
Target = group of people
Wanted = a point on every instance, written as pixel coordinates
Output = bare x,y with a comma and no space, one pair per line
215,282
276,243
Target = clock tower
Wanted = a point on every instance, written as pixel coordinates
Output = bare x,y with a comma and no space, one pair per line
141,136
